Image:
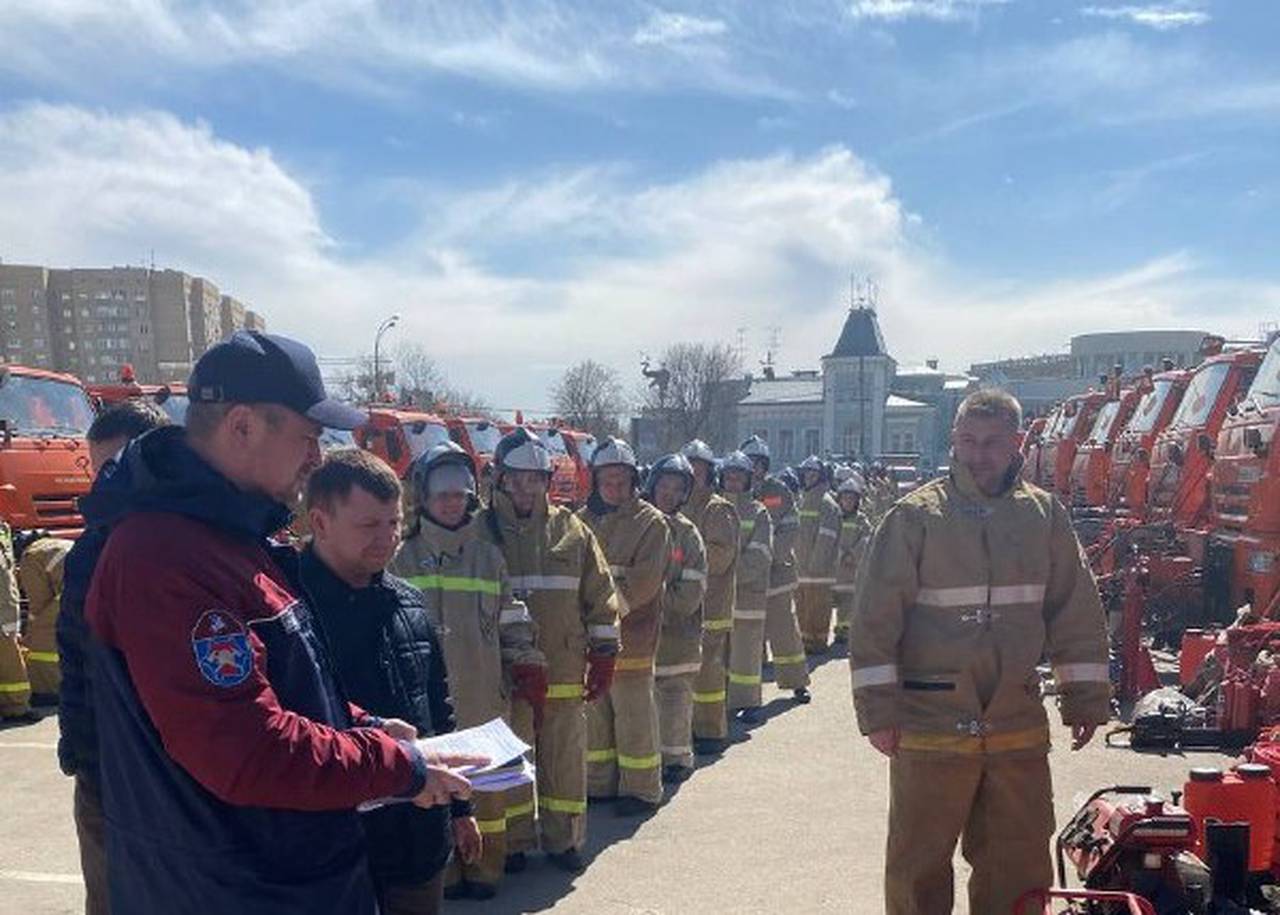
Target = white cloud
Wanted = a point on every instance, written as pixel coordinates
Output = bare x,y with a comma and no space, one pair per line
673,28
937,10
509,284
1161,17
842,99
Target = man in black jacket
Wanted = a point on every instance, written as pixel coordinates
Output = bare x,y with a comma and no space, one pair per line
113,428
389,661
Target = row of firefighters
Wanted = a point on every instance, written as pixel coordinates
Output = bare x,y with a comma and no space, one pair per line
710,564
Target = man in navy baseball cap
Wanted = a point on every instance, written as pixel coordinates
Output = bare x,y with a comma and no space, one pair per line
252,367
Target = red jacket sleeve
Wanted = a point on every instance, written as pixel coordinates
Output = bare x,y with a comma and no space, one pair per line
237,741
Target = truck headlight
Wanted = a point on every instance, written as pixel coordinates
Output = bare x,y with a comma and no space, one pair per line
1261,562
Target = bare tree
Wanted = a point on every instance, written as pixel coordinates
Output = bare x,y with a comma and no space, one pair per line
681,394
589,396
411,378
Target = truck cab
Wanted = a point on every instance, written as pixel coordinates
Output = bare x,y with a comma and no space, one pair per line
1059,449
565,481
399,435
1090,471
171,398
1178,489
1246,491
44,458
479,438
1032,445
581,445
1131,456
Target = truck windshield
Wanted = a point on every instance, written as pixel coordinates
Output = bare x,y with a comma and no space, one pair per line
1106,416
484,436
554,441
423,435
44,406
336,438
1067,423
1265,391
1201,395
1144,418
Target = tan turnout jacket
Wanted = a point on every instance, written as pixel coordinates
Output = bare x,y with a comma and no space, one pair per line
484,630
680,642
817,537
963,595
755,556
717,522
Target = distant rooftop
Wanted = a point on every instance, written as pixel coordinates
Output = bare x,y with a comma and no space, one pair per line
785,390
902,403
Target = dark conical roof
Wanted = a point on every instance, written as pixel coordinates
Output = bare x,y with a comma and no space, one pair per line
861,335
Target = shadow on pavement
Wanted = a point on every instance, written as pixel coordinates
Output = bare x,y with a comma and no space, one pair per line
35,716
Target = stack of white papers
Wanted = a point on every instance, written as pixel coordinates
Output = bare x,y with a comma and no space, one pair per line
494,740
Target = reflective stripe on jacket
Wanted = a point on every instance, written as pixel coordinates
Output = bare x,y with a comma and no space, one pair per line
755,555
680,644
40,577
483,628
962,596
781,503
558,570
717,522
636,542
818,535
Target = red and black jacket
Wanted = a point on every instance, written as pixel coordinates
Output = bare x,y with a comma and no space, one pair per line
229,761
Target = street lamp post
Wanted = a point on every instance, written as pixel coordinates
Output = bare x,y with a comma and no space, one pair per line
377,363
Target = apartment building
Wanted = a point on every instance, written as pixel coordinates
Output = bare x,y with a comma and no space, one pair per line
93,321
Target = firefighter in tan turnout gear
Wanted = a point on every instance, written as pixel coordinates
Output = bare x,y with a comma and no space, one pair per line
816,555
15,688
782,631
755,556
970,581
855,531
623,756
679,657
40,562
717,522
487,635
559,572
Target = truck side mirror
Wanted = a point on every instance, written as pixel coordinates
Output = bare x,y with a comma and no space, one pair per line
1253,440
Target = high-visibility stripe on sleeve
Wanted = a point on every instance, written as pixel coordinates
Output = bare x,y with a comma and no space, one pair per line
1016,594
809,513
745,679
828,532
788,659
520,810
846,587
677,670
693,575
19,687
602,756
781,589
639,762
749,614
747,524
880,675
561,805
817,581
602,631
975,595
633,664
48,657
459,583
492,827
565,691
513,615
711,698
723,625
1082,673
545,582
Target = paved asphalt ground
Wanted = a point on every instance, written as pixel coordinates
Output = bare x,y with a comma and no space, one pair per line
791,820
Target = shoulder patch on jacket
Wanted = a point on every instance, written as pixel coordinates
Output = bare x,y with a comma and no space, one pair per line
221,645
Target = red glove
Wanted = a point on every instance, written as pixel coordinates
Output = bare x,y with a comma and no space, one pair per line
531,686
599,674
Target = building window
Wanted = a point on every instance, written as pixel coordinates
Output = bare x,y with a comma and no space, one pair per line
812,441
66,297
6,295
71,345
786,444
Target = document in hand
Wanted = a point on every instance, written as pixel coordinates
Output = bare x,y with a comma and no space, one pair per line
507,766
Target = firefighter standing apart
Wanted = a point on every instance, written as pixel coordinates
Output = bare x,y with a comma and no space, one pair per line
970,581
816,554
679,659
717,522
854,534
487,635
15,688
623,757
559,572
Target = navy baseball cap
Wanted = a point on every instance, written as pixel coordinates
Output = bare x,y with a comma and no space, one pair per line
252,367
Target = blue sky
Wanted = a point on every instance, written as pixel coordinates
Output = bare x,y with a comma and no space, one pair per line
531,183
